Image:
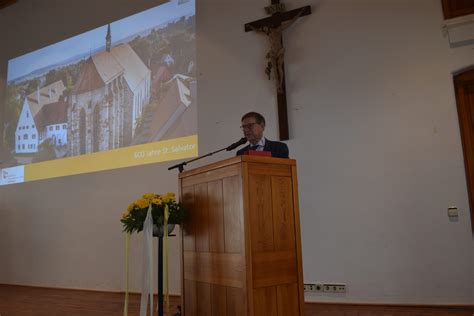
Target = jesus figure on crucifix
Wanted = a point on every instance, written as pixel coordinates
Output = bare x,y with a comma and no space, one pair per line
276,53
273,27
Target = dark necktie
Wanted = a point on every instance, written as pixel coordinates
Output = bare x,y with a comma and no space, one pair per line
253,147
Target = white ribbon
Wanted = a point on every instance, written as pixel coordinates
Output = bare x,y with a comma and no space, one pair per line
147,282
165,257
127,250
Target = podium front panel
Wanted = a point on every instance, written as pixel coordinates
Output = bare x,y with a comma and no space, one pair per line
213,256
273,243
241,249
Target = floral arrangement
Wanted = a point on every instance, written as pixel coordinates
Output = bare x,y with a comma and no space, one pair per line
135,216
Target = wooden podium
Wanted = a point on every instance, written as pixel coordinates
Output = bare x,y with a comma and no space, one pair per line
241,251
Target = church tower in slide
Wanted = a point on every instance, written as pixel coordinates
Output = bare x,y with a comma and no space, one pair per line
108,39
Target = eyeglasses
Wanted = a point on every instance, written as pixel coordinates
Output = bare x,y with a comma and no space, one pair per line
247,126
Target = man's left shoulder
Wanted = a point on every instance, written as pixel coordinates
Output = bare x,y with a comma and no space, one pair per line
276,143
278,149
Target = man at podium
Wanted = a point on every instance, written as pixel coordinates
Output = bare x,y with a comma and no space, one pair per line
253,125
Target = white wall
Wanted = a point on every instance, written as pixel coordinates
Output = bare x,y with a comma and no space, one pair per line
373,125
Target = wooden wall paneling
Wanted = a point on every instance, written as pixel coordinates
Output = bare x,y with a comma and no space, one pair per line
201,221
265,301
218,300
6,3
233,215
216,216
288,299
456,8
283,215
226,164
464,87
212,175
274,249
270,169
299,255
216,268
272,268
253,200
261,213
246,241
187,198
236,305
190,303
203,297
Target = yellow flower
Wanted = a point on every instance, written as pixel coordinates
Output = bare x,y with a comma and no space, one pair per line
132,217
148,196
129,209
157,200
142,203
170,196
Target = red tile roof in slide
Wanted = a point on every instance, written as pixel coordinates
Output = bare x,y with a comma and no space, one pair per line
53,113
89,79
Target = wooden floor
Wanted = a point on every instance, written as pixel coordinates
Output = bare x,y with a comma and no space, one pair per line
324,309
27,301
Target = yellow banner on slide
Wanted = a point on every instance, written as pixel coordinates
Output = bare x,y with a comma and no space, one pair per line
173,149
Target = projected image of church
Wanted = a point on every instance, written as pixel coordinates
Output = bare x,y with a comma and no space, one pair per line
112,90
127,83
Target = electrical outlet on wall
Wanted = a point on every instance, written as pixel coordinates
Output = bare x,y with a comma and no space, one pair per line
453,211
334,288
313,287
340,288
318,287
325,287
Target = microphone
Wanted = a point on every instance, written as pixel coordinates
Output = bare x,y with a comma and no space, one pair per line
242,141
180,166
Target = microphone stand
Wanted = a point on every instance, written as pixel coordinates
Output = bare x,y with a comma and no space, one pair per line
181,165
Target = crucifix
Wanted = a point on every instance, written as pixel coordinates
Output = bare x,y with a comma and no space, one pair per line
273,27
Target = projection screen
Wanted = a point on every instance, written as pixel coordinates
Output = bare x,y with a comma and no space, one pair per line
123,94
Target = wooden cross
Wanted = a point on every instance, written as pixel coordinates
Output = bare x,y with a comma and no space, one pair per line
272,27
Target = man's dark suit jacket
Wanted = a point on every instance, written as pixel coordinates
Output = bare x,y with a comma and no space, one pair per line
278,149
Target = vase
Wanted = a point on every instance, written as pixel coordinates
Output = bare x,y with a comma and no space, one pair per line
158,230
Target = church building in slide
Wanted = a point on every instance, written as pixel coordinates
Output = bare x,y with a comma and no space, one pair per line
101,112
107,100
